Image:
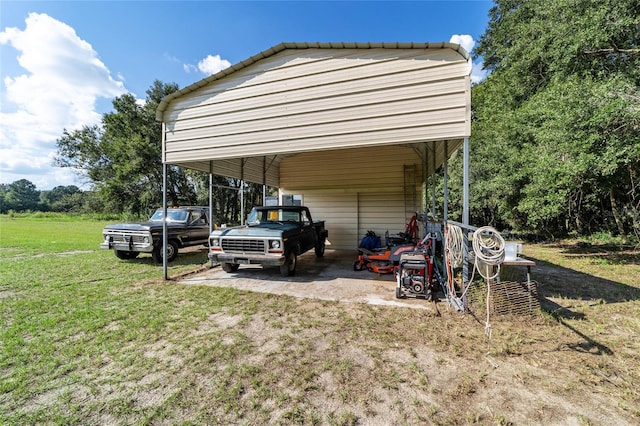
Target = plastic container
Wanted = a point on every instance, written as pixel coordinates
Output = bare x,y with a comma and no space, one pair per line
511,251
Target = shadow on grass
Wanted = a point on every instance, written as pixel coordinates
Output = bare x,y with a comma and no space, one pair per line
588,345
560,282
558,285
607,253
186,257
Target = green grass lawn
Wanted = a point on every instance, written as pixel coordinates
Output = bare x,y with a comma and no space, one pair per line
20,236
67,306
86,338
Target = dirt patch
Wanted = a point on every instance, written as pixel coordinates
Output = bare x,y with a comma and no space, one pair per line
367,360
38,255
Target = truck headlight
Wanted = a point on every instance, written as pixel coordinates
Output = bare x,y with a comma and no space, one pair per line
214,242
274,244
145,240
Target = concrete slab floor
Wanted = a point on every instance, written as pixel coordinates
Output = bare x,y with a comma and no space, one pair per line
328,278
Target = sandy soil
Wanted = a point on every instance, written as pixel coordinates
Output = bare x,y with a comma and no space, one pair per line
532,371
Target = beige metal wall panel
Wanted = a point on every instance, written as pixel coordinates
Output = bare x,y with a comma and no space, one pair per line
356,170
317,99
314,123
340,212
402,100
221,125
442,95
299,90
381,212
272,77
348,216
322,132
389,136
356,189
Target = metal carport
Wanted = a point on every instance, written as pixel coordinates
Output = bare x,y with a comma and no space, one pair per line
263,119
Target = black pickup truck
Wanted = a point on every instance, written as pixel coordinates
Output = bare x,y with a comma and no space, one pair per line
274,236
186,226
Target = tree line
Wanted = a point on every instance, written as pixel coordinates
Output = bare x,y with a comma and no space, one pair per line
22,195
555,144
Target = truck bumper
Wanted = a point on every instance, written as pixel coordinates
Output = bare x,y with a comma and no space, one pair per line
142,248
247,259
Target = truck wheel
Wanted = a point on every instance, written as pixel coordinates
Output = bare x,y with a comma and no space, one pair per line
288,268
125,255
230,267
320,248
172,252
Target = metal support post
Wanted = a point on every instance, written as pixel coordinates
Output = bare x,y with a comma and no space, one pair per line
165,236
210,197
465,212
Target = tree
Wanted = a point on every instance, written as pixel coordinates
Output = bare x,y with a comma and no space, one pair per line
556,125
123,156
4,188
22,195
62,199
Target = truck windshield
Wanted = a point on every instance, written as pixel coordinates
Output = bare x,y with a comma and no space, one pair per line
172,216
256,217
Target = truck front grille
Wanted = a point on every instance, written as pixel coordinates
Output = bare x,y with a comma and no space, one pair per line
126,236
232,245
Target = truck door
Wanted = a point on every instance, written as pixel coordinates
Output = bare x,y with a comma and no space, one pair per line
308,237
198,226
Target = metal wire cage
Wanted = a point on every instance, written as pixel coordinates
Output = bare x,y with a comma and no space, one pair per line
505,297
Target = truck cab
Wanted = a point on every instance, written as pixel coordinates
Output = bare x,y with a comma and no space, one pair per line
273,236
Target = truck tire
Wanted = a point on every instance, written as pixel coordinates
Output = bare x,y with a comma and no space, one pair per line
230,267
125,255
320,247
288,268
172,252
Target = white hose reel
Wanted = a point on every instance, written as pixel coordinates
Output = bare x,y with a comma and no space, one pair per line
488,246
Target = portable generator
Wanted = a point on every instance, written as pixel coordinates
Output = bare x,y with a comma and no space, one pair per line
414,277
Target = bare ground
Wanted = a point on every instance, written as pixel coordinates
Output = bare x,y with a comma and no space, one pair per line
371,359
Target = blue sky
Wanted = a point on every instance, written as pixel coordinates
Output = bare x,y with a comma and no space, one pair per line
63,62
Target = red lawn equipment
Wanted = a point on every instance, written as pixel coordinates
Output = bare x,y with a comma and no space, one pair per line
384,260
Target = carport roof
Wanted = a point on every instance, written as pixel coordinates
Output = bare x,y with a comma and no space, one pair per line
303,45
305,97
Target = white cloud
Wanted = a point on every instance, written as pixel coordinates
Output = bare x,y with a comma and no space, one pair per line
464,40
213,64
478,73
188,68
468,43
208,66
63,80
